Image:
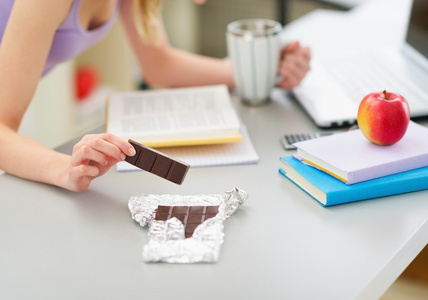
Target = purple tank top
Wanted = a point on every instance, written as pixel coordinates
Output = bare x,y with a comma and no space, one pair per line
70,38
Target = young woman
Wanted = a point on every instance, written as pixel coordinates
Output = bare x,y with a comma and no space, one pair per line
37,35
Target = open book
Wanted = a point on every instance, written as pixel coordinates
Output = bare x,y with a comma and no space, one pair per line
174,117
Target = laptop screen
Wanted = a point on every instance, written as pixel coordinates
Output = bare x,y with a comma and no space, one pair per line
417,33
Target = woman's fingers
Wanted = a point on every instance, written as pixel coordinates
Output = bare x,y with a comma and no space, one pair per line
85,153
85,171
294,66
108,144
93,155
100,147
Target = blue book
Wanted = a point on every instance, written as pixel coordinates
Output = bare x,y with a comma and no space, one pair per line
331,191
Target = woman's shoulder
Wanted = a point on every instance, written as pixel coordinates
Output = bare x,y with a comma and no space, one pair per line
54,10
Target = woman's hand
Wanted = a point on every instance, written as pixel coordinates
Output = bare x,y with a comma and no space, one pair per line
294,65
93,156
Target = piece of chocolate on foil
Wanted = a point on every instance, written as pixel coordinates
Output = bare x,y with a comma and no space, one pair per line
202,215
190,216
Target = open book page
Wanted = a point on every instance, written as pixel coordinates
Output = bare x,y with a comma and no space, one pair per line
209,155
173,114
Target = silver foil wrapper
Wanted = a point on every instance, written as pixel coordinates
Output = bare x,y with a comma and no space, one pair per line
167,242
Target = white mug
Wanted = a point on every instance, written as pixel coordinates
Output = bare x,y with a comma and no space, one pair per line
254,48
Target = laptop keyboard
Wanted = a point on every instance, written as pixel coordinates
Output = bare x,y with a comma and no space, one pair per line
363,75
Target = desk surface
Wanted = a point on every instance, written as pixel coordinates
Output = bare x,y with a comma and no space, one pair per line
281,244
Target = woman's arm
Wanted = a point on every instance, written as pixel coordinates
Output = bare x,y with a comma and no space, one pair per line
163,65
23,52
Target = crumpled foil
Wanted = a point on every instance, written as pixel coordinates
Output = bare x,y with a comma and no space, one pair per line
167,242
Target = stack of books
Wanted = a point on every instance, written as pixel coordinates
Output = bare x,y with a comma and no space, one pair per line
347,167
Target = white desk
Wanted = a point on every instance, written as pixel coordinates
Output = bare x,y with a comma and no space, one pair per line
281,244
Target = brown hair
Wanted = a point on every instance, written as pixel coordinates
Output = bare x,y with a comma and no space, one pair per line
146,15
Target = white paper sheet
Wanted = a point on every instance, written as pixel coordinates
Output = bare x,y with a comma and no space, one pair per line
209,155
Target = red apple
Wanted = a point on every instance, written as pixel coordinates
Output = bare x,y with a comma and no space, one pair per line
86,80
383,117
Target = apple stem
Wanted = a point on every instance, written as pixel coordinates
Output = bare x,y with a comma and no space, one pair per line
386,97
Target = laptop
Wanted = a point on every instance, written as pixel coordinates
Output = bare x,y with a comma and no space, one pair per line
335,86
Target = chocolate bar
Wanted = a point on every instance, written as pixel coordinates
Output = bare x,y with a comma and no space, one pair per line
190,216
157,163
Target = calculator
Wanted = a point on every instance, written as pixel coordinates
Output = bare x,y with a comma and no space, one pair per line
288,140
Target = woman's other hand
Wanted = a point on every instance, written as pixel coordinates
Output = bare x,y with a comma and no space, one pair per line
294,65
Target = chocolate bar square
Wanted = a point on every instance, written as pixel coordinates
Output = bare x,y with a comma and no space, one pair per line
161,166
190,216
